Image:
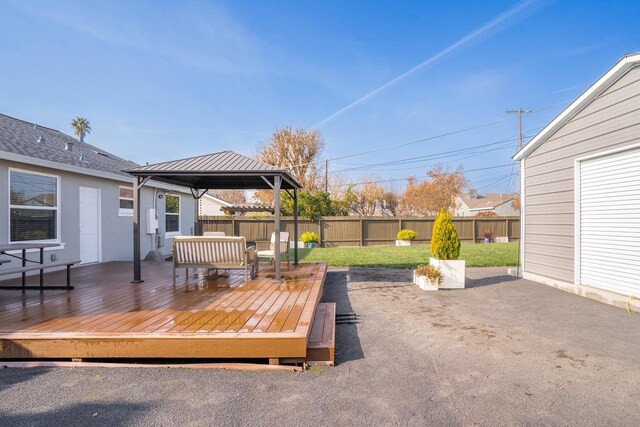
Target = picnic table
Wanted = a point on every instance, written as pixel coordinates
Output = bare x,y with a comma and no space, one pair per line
23,248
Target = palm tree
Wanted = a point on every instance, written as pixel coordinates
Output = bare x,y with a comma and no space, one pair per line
81,127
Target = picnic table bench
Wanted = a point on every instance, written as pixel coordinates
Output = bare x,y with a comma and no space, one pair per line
39,265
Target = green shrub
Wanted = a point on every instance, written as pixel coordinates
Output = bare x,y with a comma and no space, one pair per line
406,235
445,243
309,237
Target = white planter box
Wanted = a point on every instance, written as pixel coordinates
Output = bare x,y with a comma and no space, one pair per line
300,245
424,283
403,242
452,272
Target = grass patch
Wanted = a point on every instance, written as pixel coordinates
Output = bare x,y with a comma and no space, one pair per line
476,255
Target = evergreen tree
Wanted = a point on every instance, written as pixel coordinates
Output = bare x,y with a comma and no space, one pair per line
445,243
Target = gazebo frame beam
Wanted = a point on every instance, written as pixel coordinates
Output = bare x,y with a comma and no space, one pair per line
138,182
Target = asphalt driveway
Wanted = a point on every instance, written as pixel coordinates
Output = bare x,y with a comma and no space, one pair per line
503,351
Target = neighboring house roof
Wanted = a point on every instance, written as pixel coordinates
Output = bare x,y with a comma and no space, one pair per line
621,68
216,199
486,201
20,138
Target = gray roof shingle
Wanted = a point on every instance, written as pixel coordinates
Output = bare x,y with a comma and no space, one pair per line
21,137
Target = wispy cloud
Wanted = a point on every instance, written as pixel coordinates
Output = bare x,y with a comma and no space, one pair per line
582,50
503,19
198,35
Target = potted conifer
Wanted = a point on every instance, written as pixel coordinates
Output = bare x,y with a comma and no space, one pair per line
445,250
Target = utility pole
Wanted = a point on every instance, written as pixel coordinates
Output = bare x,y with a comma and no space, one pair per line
520,112
326,176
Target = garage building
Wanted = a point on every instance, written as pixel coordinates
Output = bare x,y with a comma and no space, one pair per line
580,191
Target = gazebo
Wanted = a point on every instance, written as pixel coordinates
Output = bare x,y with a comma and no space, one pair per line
224,170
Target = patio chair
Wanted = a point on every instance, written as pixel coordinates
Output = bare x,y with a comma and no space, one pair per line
284,247
213,234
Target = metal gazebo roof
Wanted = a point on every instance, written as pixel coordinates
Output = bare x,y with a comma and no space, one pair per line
223,170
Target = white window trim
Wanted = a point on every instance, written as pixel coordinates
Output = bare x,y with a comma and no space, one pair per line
122,211
58,207
179,214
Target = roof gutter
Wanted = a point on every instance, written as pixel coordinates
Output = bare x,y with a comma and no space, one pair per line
4,155
33,161
618,70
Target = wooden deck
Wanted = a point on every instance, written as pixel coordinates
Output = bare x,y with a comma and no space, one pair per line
108,317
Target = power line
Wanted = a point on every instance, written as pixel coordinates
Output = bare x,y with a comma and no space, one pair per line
430,138
455,158
415,159
454,154
404,179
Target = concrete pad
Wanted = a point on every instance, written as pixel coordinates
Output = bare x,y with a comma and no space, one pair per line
503,351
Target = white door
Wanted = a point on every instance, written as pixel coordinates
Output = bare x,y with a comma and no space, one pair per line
609,222
89,225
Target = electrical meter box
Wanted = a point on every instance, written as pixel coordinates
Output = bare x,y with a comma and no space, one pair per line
152,221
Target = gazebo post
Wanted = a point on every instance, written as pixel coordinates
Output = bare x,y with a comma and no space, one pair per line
138,182
277,182
295,228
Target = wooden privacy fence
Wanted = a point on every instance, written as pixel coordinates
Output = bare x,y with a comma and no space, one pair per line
361,231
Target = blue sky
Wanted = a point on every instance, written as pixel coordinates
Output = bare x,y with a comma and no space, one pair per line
161,80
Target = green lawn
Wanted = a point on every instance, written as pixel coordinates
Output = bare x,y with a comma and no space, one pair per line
476,255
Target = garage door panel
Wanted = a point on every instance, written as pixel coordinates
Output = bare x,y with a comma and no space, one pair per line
609,215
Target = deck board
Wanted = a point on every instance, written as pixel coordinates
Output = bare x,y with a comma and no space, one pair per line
214,317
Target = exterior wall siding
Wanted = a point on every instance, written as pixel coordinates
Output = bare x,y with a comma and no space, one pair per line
610,122
209,207
116,230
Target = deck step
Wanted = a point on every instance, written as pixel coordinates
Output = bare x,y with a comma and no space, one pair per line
322,339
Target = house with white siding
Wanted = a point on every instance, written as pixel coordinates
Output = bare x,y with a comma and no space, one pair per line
472,203
580,191
57,189
210,205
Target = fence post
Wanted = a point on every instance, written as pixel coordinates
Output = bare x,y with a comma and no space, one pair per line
473,222
233,226
506,231
361,232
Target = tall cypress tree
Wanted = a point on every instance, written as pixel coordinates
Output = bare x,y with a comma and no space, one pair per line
445,243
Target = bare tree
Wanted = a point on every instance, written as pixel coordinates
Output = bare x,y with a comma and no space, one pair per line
515,203
366,198
236,197
295,151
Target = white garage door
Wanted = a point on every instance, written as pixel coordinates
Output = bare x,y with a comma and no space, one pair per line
609,217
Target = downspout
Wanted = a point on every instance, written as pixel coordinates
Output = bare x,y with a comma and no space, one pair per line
521,241
277,182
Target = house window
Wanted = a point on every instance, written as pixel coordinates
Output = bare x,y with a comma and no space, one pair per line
126,201
172,214
33,206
